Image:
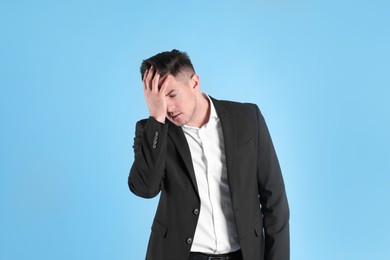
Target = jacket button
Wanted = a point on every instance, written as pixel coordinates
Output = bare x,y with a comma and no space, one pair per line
196,211
189,240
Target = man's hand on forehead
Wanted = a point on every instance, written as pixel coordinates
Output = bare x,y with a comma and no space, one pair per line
154,92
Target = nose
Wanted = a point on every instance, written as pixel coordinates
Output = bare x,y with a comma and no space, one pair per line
170,107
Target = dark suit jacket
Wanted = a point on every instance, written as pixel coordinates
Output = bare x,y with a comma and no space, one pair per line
163,163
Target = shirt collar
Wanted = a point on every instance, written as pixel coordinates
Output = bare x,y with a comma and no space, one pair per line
213,112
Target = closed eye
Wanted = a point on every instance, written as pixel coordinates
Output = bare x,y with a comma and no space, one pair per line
171,93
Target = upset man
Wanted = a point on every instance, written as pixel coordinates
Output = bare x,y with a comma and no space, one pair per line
222,194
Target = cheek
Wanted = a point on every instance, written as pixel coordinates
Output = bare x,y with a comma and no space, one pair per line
184,102
181,101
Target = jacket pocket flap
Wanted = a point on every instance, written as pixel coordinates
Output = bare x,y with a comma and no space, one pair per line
244,143
160,229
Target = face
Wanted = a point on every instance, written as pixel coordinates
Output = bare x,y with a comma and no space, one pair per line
181,98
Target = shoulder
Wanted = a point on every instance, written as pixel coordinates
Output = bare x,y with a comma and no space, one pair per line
234,106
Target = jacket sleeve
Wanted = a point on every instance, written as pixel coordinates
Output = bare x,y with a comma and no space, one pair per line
150,146
273,199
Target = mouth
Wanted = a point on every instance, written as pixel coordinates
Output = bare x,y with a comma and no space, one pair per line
174,117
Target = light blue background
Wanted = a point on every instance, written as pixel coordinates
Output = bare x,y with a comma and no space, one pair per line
71,94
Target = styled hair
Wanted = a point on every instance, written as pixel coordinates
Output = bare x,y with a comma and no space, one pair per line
168,62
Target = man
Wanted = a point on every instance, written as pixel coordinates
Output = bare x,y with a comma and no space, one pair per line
222,191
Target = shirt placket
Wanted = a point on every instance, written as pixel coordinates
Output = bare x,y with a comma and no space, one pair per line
206,139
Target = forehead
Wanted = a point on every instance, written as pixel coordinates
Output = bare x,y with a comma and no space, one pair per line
174,82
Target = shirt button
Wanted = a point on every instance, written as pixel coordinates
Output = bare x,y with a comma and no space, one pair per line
189,241
196,211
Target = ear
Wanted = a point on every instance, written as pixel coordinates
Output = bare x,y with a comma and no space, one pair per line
194,82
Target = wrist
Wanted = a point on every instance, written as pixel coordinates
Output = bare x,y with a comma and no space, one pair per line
159,119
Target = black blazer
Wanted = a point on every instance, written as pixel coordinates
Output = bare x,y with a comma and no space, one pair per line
163,163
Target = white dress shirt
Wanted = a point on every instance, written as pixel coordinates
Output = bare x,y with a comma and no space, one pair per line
216,231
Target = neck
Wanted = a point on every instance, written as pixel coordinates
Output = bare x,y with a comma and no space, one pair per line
202,115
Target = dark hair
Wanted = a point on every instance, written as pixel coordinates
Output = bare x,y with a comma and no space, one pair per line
168,62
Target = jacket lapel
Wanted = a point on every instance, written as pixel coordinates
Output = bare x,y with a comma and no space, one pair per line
229,137
177,136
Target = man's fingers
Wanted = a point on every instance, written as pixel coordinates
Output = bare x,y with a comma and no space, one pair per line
148,77
164,85
144,80
155,82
